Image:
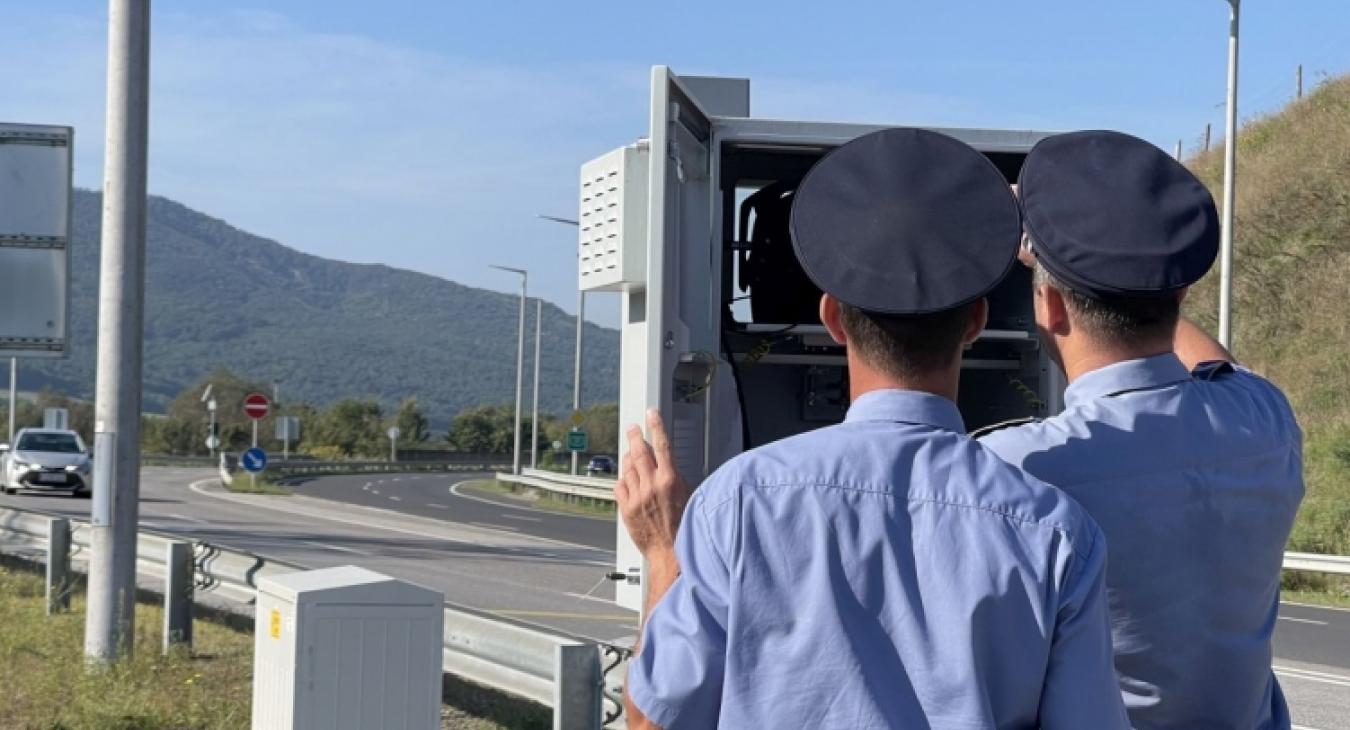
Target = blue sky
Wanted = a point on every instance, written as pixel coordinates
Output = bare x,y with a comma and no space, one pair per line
427,135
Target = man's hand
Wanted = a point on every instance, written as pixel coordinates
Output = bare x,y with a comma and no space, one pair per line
651,495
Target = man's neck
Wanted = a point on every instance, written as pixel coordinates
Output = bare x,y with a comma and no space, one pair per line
1081,357
864,379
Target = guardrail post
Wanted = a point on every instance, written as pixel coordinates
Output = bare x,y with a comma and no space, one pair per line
178,590
576,687
58,565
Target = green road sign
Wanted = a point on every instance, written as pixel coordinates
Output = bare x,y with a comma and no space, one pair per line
576,440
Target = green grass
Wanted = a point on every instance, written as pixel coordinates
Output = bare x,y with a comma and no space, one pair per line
243,484
45,688
539,499
209,688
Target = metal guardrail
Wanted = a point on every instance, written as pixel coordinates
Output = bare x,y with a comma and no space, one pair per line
508,656
229,464
577,486
1316,563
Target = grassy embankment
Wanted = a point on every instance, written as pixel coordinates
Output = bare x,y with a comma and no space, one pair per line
208,688
1291,311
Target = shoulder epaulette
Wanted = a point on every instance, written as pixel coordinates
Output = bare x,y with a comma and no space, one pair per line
986,430
1211,369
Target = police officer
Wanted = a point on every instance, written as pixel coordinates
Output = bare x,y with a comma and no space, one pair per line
1190,463
887,572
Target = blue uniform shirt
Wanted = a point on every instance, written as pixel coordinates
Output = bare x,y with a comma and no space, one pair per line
1194,479
887,572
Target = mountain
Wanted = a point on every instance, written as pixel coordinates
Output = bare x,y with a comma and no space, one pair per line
323,329
1291,293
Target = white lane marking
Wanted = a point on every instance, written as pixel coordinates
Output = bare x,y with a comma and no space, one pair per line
395,479
339,548
397,499
1302,727
374,491
365,487
494,527
454,489
1337,680
200,488
185,518
585,597
521,517
438,506
1302,620
1314,605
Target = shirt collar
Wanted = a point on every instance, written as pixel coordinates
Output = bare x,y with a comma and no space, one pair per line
906,406
1140,374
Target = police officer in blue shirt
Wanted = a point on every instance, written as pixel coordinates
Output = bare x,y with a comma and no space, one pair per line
887,572
1190,463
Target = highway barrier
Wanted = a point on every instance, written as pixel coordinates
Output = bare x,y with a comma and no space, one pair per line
229,465
596,488
566,673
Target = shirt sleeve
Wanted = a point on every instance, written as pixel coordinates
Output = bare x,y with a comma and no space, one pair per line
676,678
1080,688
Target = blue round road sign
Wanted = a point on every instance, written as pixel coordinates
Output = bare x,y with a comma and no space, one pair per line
254,460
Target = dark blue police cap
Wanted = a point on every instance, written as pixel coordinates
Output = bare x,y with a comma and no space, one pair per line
1112,215
905,221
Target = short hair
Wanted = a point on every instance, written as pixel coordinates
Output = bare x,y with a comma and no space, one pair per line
1117,319
906,346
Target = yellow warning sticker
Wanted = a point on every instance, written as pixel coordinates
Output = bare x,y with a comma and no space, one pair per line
276,624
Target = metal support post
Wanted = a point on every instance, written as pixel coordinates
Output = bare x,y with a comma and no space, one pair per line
178,594
58,565
534,413
110,622
13,396
577,686
520,361
576,367
1229,185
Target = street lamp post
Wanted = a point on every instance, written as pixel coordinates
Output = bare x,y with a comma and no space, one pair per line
520,360
581,325
534,413
1229,173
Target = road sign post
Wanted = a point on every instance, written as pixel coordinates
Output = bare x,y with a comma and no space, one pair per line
393,434
256,406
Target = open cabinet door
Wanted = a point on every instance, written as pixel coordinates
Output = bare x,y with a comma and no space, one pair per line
657,317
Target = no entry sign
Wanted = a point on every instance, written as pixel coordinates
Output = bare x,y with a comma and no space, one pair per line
256,405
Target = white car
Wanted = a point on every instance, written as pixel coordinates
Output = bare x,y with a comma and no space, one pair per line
46,460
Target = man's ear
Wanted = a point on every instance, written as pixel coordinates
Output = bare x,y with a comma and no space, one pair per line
829,316
979,317
1055,310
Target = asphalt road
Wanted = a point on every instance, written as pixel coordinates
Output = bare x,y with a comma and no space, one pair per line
497,555
442,497
547,582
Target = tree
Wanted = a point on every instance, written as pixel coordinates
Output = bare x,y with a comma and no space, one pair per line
412,424
353,427
483,429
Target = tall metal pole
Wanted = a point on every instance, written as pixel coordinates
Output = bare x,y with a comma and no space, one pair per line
110,620
13,396
520,360
534,412
581,326
1229,173
576,366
